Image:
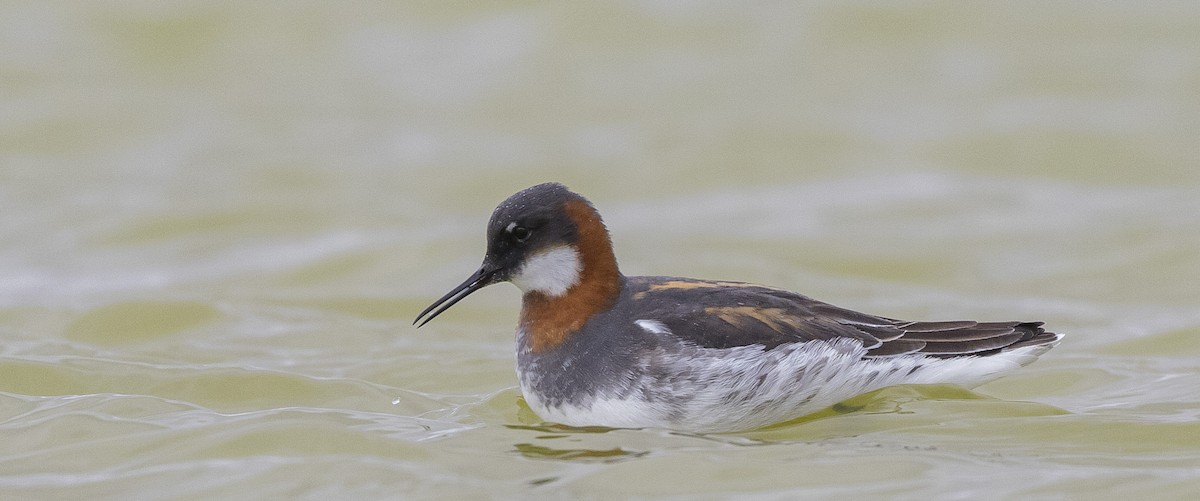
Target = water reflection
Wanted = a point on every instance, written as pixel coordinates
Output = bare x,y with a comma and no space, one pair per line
561,429
613,455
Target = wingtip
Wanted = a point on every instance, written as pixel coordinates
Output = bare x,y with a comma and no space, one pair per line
1030,349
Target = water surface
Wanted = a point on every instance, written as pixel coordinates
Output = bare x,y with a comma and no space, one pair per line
218,220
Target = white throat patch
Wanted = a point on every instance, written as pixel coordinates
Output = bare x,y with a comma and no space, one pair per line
550,272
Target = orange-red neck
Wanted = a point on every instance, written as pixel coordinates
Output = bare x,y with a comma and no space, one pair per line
549,320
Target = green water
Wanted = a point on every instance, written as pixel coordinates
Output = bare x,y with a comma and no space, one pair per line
218,220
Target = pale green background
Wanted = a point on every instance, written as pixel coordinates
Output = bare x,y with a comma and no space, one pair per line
218,219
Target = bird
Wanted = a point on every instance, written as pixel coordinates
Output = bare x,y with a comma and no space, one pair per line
598,348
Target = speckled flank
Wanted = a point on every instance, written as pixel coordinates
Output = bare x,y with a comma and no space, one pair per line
744,388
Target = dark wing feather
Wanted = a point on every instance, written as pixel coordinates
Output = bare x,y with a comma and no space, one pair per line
729,314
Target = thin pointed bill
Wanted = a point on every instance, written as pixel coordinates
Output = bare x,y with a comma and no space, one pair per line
483,277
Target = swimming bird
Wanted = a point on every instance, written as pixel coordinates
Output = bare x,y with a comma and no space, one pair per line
597,348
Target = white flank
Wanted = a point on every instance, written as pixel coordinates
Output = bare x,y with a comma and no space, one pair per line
653,326
550,272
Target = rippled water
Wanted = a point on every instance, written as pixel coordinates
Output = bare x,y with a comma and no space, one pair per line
218,220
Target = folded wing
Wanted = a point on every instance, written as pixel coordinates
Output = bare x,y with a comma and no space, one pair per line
715,314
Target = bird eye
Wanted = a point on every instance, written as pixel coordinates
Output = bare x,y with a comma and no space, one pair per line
520,233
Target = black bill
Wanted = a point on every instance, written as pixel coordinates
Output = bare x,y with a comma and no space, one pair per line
482,278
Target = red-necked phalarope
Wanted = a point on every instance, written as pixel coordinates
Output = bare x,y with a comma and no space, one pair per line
595,347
